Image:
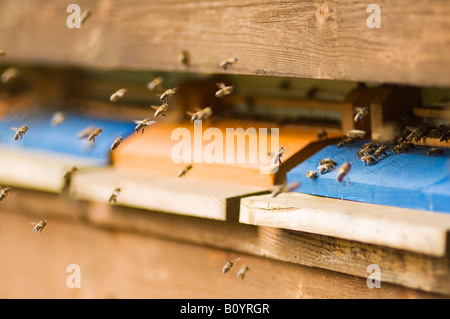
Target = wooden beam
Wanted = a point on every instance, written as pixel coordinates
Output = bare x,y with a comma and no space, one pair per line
307,39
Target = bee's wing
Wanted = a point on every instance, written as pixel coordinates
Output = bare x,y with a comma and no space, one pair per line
190,113
14,128
220,85
155,107
150,123
137,121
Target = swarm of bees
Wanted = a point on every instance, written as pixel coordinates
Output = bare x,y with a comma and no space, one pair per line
20,132
200,115
227,62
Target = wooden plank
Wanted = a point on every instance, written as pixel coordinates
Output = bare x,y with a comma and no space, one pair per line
442,113
401,267
420,231
308,39
160,268
206,199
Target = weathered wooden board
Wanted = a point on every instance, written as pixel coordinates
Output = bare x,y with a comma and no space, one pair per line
308,39
414,230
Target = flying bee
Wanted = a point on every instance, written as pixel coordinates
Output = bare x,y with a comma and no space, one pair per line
368,160
311,174
185,170
156,83
39,226
227,62
19,131
2,53
322,134
226,268
435,151
67,178
94,134
117,95
58,118
324,168
141,125
168,93
86,132
114,195
160,110
327,160
361,112
277,157
224,90
241,273
4,191
380,151
356,134
343,171
85,15
184,58
284,188
200,115
9,74
116,143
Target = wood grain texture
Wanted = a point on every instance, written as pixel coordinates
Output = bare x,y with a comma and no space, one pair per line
401,267
308,39
414,230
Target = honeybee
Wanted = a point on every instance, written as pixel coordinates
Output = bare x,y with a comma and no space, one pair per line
94,134
311,174
327,167
68,177
277,157
200,115
347,141
435,151
343,171
403,147
86,132
327,160
85,15
225,63
19,131
2,53
227,266
117,95
224,90
141,125
160,110
368,160
116,143
58,118
242,271
114,195
284,188
183,58
361,112
168,93
416,135
39,226
156,83
322,134
9,74
367,149
380,151
4,191
185,170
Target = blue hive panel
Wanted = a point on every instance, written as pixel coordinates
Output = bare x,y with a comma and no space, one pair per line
63,138
410,180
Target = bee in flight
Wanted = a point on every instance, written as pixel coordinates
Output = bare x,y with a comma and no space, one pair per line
4,191
284,188
2,53
165,96
160,110
117,95
85,15
94,134
58,118
200,115
185,170
241,273
227,62
183,58
116,143
156,83
9,74
343,171
322,134
361,112
86,132
228,265
277,157
224,90
141,125
39,226
114,195
19,131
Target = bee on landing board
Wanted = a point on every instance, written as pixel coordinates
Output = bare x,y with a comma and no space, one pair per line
368,160
200,115
117,95
380,151
113,198
227,62
160,110
311,174
224,90
116,143
39,226
435,151
141,125
185,170
94,134
361,112
4,191
19,131
168,93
